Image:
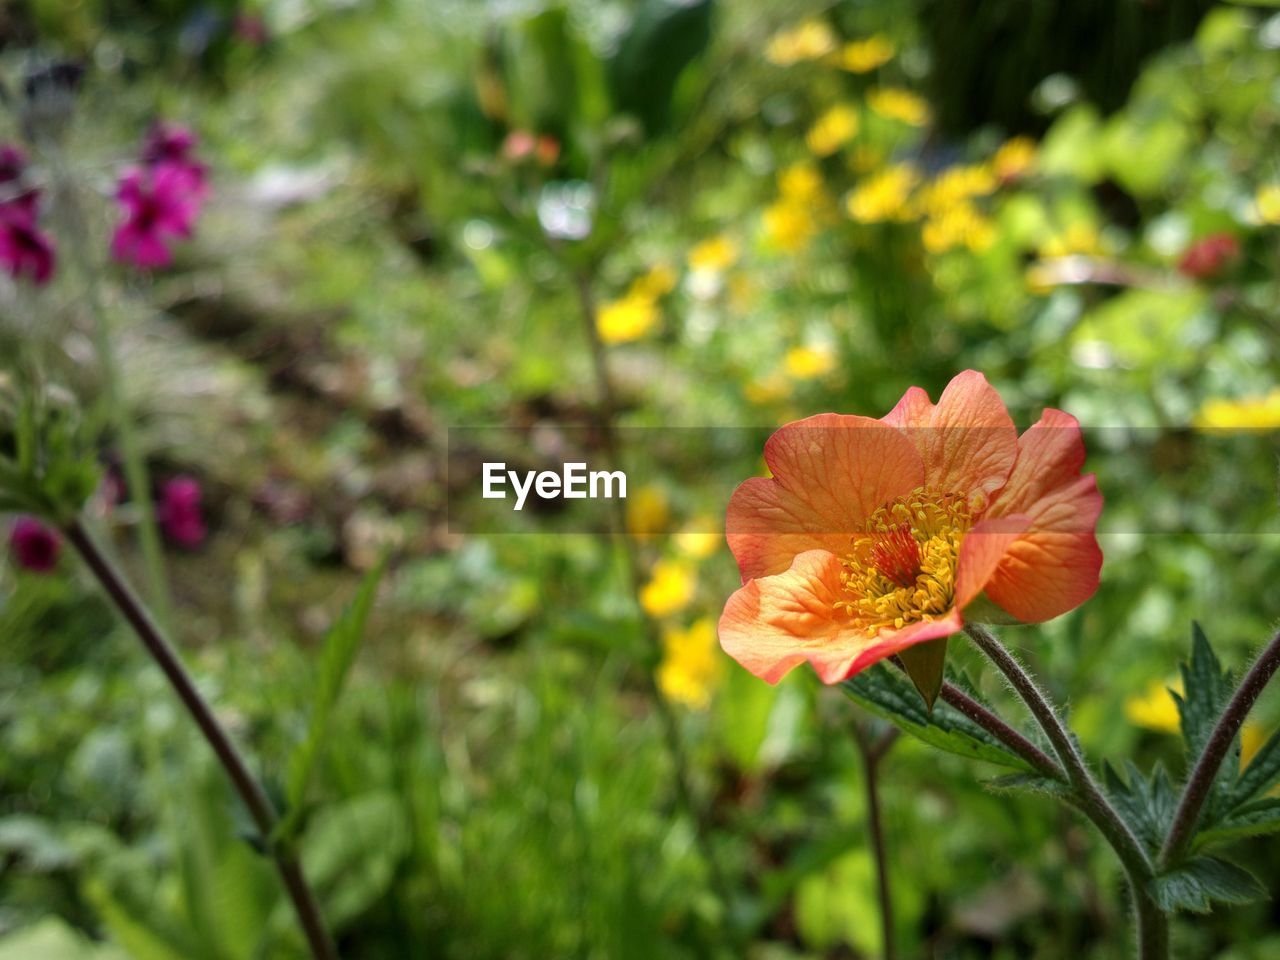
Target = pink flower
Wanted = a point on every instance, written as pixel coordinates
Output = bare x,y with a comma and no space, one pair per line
34,545
179,512
24,248
173,145
159,206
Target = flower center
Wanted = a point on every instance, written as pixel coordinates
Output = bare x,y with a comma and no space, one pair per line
902,569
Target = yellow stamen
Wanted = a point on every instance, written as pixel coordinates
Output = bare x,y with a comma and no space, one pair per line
903,568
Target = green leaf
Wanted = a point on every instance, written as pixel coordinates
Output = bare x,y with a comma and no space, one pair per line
665,37
1251,819
53,939
144,934
1031,783
1147,804
1207,688
1196,884
1262,772
893,697
336,659
925,663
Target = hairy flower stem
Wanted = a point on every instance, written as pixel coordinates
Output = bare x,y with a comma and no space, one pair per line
1205,771
1153,924
872,753
246,785
135,464
606,404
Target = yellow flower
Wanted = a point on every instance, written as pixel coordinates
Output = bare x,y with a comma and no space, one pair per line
808,363
658,282
696,542
714,255
863,56
883,196
957,185
1268,203
833,130
1079,239
1250,413
1015,158
768,390
647,512
1252,739
670,588
628,318
806,41
800,183
961,225
691,664
899,104
789,226
1156,709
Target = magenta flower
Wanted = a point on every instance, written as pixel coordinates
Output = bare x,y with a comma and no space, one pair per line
173,145
34,546
159,206
24,248
179,512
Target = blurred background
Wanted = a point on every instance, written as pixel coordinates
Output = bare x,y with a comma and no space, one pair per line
424,214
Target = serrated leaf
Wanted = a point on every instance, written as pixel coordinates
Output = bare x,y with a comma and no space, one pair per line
1147,804
1196,884
893,697
1207,688
336,658
1262,772
1251,819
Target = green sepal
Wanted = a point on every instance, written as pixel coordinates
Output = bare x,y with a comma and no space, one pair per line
925,663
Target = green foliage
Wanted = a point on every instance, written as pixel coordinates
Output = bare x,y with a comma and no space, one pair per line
1203,880
665,37
888,694
337,656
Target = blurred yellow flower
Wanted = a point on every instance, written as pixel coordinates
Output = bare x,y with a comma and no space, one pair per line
789,226
808,363
1079,239
1268,203
670,588
691,664
1250,413
863,56
833,130
1252,739
647,512
883,196
800,183
768,390
697,542
628,318
656,283
1155,709
961,225
1015,158
957,185
714,255
899,104
806,41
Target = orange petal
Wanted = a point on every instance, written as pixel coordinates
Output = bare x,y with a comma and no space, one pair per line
967,441
775,623
829,473
1054,567
981,551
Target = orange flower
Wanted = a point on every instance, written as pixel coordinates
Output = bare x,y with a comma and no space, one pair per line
872,536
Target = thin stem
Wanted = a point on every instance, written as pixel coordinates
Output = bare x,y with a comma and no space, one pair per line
606,401
135,464
1153,925
872,754
1205,771
246,785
